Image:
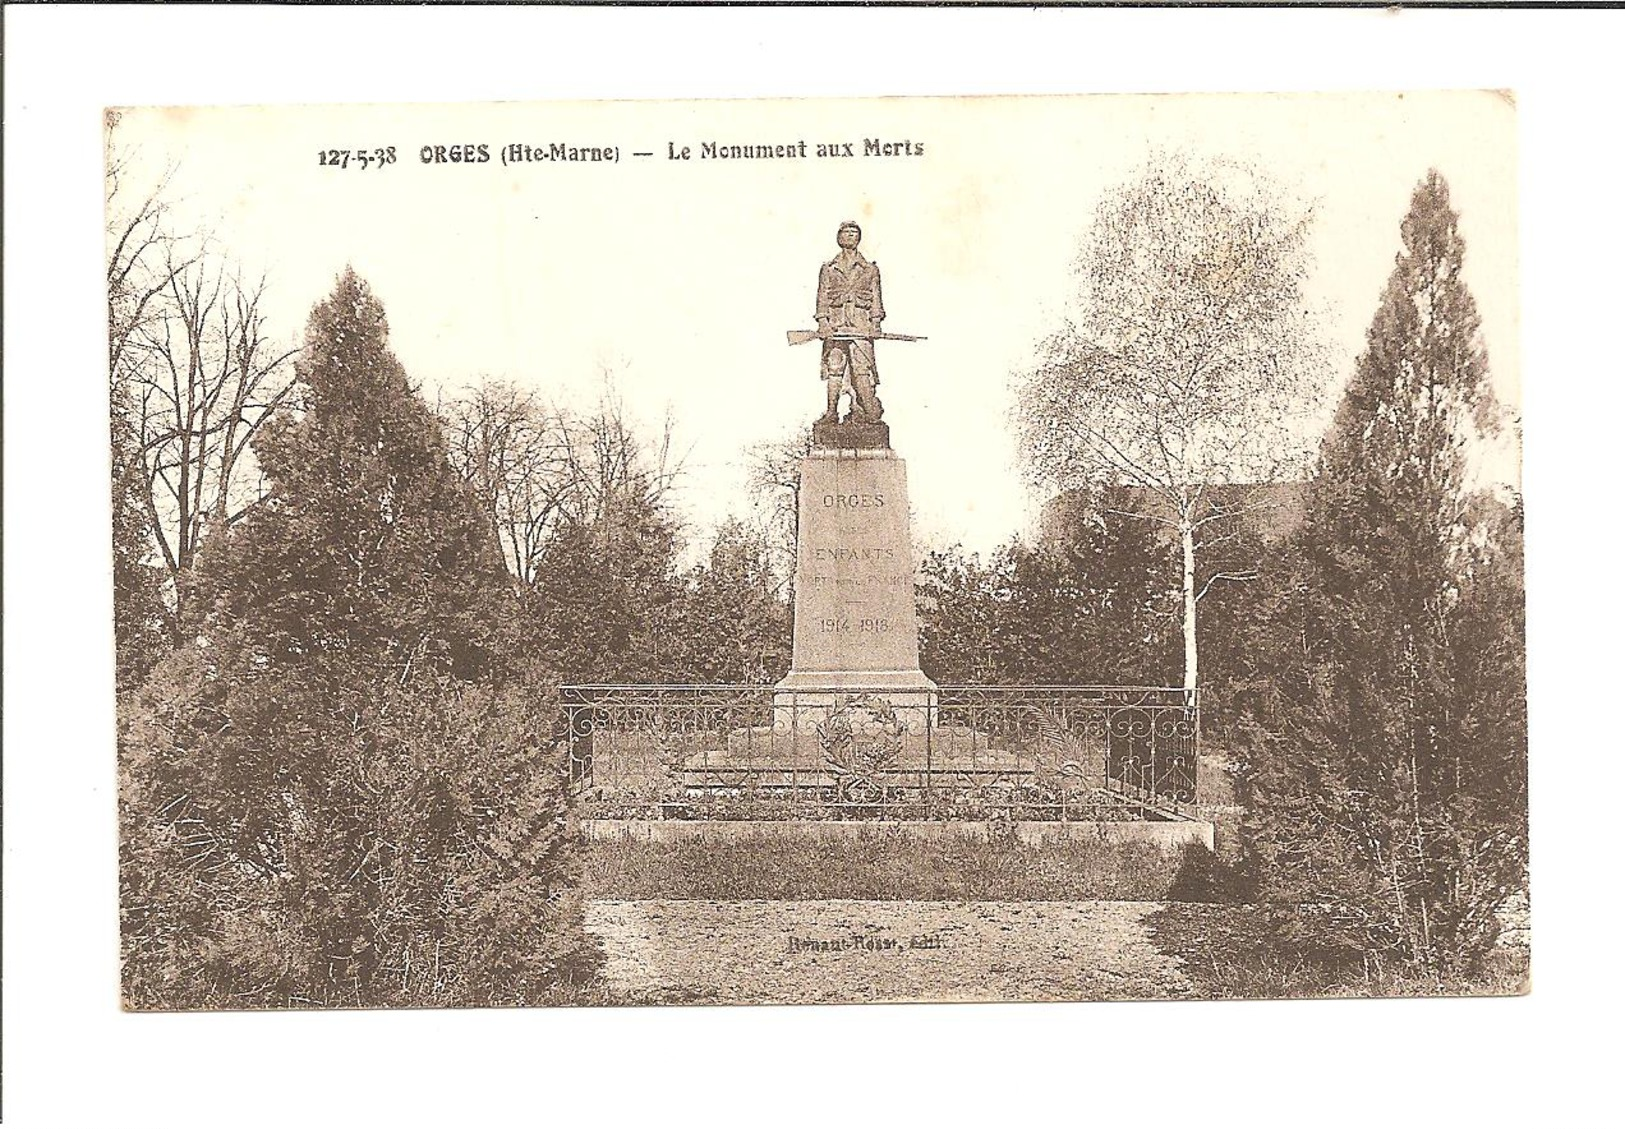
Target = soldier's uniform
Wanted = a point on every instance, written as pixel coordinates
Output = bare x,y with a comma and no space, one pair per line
849,304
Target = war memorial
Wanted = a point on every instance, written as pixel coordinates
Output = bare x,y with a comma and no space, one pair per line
652,604
855,735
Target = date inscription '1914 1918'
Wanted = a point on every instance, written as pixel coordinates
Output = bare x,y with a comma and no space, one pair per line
841,625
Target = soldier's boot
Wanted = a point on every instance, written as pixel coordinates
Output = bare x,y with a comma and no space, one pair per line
832,390
865,404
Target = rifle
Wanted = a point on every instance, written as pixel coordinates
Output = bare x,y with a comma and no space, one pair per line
802,336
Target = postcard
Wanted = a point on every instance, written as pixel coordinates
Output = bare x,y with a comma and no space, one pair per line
818,551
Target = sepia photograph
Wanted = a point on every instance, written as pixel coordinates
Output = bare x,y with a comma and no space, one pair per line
825,550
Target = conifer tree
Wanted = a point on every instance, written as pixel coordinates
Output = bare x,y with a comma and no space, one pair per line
1377,794
351,728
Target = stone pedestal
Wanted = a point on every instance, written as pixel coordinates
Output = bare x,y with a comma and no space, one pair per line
848,436
855,624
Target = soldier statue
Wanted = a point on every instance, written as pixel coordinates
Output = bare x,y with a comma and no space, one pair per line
849,315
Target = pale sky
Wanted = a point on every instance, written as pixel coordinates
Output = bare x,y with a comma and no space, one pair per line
682,276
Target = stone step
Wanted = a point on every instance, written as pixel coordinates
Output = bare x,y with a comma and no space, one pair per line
769,742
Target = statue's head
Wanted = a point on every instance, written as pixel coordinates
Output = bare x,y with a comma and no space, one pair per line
848,235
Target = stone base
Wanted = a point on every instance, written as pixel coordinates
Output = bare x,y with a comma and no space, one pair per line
821,684
855,622
851,436
803,699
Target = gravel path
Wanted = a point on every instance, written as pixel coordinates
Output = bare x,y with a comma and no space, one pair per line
859,951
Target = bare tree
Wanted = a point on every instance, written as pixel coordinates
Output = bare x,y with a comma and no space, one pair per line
193,374
203,377
535,466
773,478
611,461
144,254
1189,357
517,453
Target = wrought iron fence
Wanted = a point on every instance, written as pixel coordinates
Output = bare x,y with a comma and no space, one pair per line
958,752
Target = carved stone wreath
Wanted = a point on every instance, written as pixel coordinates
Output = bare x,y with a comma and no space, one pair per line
861,739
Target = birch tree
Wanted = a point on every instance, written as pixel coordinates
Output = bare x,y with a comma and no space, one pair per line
1185,361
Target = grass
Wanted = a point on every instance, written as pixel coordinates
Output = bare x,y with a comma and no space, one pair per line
880,866
1215,779
1225,942
1216,801
1230,952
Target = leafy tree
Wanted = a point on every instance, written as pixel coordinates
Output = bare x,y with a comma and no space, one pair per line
1188,356
536,468
960,600
580,503
1389,763
1080,609
730,617
341,789
603,588
1111,571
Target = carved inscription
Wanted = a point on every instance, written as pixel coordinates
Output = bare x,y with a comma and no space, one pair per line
854,569
842,625
888,583
854,501
849,553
